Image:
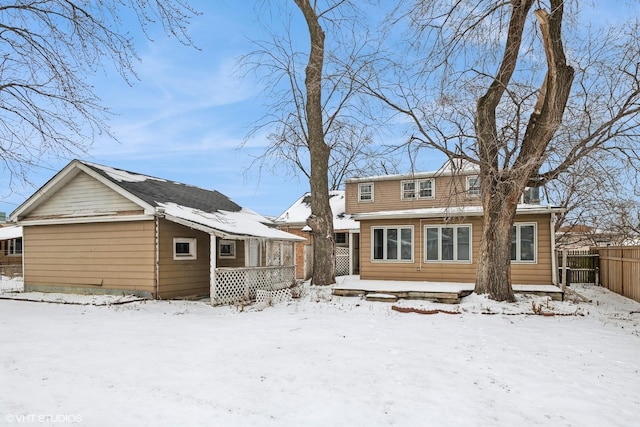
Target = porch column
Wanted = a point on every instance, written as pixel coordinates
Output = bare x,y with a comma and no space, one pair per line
350,253
213,254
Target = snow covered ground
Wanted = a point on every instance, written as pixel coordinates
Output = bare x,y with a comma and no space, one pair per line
320,361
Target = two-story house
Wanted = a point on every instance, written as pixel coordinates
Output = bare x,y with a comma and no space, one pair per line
428,226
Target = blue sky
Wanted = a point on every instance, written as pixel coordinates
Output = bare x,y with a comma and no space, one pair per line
187,116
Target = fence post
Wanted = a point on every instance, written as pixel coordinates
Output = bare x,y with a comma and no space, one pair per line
564,270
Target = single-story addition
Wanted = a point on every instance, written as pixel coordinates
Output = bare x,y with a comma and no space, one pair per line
97,229
346,234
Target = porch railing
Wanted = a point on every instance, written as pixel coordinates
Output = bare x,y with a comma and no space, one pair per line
11,270
235,285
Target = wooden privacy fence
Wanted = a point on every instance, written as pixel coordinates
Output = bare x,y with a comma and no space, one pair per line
620,269
583,266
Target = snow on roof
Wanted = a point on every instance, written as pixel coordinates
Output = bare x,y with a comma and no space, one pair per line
450,212
301,210
449,168
229,224
121,175
10,232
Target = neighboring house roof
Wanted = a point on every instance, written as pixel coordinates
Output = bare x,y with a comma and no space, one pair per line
205,210
10,232
449,168
450,212
300,210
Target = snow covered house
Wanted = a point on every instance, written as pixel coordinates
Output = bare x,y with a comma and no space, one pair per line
10,250
97,229
346,234
427,227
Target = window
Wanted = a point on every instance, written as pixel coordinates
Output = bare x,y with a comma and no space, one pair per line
392,244
227,249
340,238
184,248
523,243
448,243
473,185
14,246
418,189
365,192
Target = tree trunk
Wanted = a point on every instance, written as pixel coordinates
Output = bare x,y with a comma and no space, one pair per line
494,261
321,219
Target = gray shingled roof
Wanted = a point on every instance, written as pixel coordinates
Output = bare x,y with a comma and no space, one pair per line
156,191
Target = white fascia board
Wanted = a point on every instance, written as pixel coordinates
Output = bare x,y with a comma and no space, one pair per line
449,212
87,220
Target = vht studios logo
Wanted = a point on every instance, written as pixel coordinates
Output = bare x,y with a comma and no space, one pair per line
43,418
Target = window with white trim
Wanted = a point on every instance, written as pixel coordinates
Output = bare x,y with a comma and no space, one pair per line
14,246
417,189
447,243
365,192
227,249
473,185
523,242
340,238
184,248
392,244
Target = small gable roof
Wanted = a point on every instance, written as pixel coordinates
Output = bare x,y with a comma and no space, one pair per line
205,210
300,210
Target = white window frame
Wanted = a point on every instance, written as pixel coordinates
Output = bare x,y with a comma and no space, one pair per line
455,259
385,229
360,192
517,234
473,190
343,234
11,247
416,189
193,248
231,254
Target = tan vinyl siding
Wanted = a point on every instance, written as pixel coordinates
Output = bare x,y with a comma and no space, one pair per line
238,261
97,256
462,272
186,277
449,191
84,196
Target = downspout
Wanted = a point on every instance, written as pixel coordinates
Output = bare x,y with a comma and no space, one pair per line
554,259
212,267
157,258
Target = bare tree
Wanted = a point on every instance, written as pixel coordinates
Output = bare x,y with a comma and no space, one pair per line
492,85
600,198
48,48
318,121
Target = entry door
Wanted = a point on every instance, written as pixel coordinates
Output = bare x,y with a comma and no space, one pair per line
254,253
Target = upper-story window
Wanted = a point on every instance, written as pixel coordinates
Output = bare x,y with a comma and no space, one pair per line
417,189
365,192
473,185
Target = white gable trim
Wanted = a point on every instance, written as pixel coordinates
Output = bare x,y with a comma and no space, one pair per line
61,179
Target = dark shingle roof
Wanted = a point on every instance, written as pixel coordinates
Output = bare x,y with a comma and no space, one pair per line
155,191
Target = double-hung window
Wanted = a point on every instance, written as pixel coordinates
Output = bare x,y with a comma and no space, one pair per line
14,246
365,192
448,243
473,185
523,243
392,243
418,189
